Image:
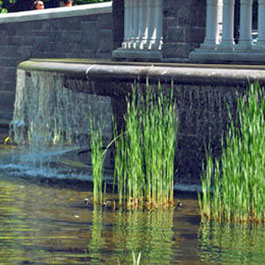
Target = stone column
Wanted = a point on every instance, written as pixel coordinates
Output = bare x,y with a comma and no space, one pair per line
135,23
158,24
127,24
211,38
245,38
143,25
261,25
150,23
228,25
219,21
155,25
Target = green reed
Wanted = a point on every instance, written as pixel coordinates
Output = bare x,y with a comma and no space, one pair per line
237,179
136,260
97,157
145,150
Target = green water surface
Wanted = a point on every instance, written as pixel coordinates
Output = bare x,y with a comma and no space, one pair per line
51,224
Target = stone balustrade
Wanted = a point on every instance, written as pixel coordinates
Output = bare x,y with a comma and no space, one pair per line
219,44
142,30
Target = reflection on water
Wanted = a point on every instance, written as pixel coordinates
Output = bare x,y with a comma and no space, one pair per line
147,232
232,244
50,224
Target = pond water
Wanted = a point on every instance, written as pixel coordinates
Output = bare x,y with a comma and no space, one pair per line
48,223
44,220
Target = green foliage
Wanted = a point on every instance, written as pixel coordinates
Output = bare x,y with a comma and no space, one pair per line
237,180
136,260
2,9
97,156
145,150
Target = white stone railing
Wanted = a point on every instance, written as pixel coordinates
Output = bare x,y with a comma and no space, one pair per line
53,13
142,30
219,42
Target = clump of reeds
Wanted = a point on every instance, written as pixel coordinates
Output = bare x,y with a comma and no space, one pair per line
97,156
233,188
145,149
136,260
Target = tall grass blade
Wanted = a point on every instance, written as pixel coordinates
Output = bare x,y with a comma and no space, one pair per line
145,153
237,178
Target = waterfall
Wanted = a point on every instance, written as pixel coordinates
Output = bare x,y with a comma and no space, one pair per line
51,120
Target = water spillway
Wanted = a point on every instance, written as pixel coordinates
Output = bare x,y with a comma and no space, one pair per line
54,97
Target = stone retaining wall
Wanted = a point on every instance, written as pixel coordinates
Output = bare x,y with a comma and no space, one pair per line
76,32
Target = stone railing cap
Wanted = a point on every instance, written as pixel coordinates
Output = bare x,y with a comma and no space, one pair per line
60,12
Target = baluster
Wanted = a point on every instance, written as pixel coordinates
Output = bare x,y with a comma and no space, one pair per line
127,24
245,38
212,33
143,27
143,21
219,21
135,23
261,25
227,42
131,10
158,34
151,24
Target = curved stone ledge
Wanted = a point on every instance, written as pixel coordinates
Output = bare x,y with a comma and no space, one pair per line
60,12
181,73
203,94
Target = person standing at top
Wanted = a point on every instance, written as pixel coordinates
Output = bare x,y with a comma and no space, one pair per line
38,5
68,3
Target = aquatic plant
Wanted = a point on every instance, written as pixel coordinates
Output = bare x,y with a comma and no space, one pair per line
97,156
136,261
145,149
237,179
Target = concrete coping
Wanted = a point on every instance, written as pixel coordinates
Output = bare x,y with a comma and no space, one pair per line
60,12
181,74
